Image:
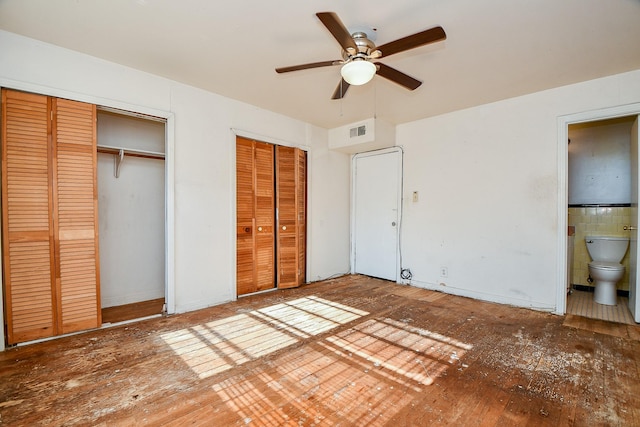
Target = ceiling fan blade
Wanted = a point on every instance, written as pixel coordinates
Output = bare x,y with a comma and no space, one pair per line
338,30
419,39
307,66
341,90
397,76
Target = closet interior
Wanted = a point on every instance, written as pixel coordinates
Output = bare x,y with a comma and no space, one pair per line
131,212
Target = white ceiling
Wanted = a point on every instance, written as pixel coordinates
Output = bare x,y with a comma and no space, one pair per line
495,49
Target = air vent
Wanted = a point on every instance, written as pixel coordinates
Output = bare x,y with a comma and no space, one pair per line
357,131
365,135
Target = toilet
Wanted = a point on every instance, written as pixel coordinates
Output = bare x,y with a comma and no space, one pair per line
605,268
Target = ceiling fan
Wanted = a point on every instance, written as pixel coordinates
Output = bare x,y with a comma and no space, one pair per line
359,54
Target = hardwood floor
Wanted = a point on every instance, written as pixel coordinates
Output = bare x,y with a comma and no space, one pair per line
349,351
136,310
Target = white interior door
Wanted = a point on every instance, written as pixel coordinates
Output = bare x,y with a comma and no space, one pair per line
634,286
377,213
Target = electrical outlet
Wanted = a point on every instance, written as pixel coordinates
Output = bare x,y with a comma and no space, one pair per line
415,197
444,271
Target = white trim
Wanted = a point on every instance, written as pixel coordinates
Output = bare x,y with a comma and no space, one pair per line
399,204
170,224
563,170
130,113
268,139
233,230
563,166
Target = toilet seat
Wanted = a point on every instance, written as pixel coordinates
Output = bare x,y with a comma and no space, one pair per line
606,265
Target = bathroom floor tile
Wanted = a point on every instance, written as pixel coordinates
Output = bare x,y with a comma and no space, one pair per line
581,303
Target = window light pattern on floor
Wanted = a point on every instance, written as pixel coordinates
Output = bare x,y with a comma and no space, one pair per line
412,353
360,375
312,387
217,346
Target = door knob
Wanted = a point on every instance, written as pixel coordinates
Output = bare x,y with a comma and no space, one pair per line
629,227
393,224
284,227
247,229
259,228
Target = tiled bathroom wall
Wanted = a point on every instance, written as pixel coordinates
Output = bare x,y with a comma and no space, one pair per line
597,221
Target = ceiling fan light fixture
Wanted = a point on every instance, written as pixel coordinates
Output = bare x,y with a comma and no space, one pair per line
358,72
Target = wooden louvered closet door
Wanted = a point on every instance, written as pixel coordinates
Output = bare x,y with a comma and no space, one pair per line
30,297
49,216
269,179
291,202
255,216
301,200
76,208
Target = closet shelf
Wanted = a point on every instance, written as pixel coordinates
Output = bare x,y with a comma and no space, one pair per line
119,154
130,152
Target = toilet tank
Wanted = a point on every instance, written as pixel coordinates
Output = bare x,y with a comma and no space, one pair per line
606,248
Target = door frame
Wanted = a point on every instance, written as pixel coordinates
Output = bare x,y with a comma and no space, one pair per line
563,187
398,203
633,224
233,134
129,114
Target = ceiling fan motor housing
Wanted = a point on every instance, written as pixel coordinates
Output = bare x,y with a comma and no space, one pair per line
366,48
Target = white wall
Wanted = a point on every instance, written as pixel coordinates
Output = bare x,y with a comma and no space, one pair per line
490,188
203,152
599,162
328,193
131,230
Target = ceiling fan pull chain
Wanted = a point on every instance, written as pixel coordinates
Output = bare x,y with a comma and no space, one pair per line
341,98
375,100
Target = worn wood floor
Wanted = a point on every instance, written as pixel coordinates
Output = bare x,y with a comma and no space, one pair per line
349,351
136,310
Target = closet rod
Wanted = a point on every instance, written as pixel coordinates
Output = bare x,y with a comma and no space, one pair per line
130,152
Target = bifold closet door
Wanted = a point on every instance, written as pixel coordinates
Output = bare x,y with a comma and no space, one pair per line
270,215
27,201
291,203
49,216
255,216
76,208
301,189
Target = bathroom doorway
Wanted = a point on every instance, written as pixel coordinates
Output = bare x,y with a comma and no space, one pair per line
601,200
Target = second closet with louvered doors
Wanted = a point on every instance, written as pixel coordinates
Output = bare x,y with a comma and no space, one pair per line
270,216
49,216
291,174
